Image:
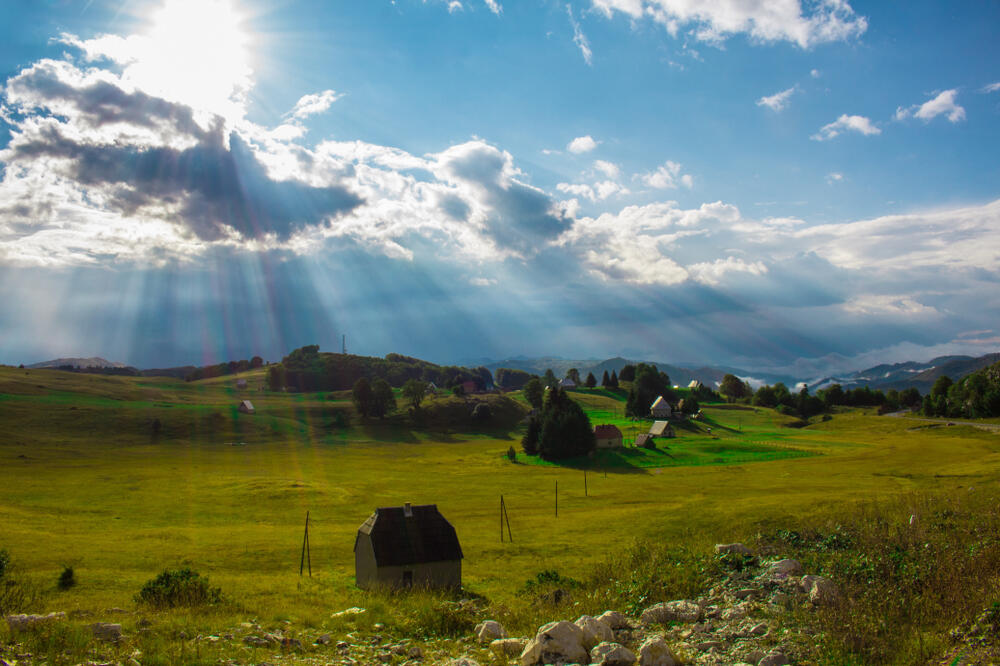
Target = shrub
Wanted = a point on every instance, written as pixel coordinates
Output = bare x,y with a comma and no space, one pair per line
511,454
67,578
178,587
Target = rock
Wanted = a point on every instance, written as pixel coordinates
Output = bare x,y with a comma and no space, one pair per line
786,568
614,619
31,622
745,593
822,591
415,653
291,643
774,658
489,631
556,643
508,647
672,611
710,645
758,629
594,631
463,661
256,641
737,612
755,656
343,645
612,654
325,639
106,631
349,611
732,548
654,652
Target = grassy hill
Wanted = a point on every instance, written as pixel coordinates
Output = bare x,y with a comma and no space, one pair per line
89,483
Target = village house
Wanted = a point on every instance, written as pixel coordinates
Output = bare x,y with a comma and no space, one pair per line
694,385
567,384
660,409
644,440
407,546
608,437
246,407
661,429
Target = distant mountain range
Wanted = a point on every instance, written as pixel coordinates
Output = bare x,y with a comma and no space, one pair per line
910,374
92,362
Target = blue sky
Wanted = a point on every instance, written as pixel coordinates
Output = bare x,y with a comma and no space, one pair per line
804,187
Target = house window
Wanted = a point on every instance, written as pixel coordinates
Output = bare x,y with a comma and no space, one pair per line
407,579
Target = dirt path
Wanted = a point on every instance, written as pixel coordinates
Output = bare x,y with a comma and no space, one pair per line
950,422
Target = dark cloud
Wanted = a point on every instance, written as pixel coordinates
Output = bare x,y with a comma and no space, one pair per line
215,186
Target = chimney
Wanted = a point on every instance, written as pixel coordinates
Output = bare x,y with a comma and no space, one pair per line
408,510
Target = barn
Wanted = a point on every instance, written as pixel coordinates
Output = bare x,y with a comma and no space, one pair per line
660,409
407,546
608,437
661,429
246,407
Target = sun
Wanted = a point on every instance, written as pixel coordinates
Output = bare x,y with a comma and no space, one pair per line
195,52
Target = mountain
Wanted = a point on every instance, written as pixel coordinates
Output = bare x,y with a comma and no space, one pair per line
92,362
901,376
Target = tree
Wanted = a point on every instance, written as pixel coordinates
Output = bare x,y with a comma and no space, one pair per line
688,405
574,376
481,412
614,380
834,396
414,390
530,440
511,379
591,380
627,374
383,401
565,429
550,378
605,380
910,398
256,362
534,392
276,378
732,387
648,384
764,397
362,396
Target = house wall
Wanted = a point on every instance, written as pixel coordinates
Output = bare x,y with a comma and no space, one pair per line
368,574
609,442
661,412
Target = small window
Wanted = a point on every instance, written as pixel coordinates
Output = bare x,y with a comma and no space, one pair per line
407,579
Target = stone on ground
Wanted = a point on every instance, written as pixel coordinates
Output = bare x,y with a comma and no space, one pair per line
594,631
655,652
556,643
489,631
672,611
612,654
732,548
614,619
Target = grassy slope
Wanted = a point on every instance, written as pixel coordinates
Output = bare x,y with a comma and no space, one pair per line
92,487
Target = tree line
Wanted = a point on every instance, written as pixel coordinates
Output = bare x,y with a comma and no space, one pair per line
975,396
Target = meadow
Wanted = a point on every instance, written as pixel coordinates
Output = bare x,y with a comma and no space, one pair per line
89,480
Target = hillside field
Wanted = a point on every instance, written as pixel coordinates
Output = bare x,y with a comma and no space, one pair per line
89,481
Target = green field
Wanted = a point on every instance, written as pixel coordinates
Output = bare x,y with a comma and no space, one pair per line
88,482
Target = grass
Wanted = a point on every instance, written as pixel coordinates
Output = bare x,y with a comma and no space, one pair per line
87,483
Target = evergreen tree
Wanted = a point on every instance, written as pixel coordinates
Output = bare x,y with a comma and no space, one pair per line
534,392
361,394
605,380
591,380
530,440
565,429
614,380
628,373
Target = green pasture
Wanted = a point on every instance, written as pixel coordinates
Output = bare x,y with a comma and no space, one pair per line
86,481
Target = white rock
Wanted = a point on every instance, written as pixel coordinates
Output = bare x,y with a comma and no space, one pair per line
349,611
556,643
508,647
672,611
29,622
735,548
655,652
786,567
594,631
490,630
614,619
107,631
612,654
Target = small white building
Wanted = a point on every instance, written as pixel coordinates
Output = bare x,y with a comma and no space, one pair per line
246,407
695,385
661,409
661,429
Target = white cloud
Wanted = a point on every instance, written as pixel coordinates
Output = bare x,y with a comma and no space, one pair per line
668,176
815,73
582,144
714,21
596,192
310,105
714,272
943,103
881,304
609,169
454,6
859,124
834,177
990,87
778,101
482,282
494,6
579,38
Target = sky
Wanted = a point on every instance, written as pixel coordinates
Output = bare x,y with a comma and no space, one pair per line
798,187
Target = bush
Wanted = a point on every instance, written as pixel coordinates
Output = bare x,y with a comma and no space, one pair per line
179,587
511,454
67,579
481,412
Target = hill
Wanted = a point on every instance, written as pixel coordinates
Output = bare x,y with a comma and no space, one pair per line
91,362
910,374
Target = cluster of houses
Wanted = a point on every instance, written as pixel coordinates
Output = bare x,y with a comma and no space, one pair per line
610,437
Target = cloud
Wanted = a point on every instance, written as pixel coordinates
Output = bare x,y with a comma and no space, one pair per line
834,177
482,282
579,38
712,273
815,73
667,176
844,123
595,192
880,304
582,144
778,101
454,6
990,87
943,103
494,6
609,169
714,21
309,105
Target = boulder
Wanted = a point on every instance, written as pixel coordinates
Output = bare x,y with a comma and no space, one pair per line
732,548
612,654
556,643
822,591
737,612
594,631
508,647
672,611
614,619
786,568
655,652
106,631
31,622
415,653
774,658
489,631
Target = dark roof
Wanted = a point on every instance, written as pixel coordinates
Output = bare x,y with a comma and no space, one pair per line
640,440
607,431
424,536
